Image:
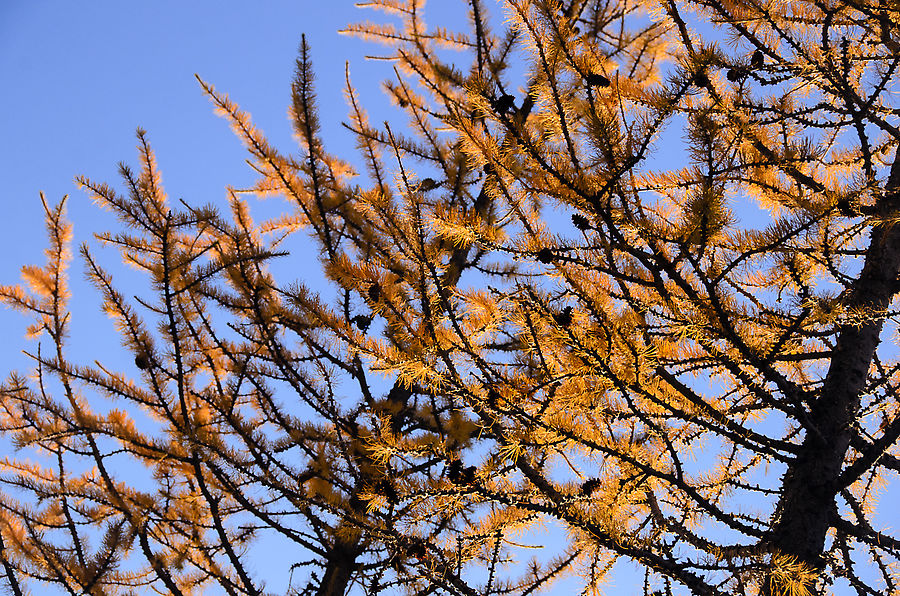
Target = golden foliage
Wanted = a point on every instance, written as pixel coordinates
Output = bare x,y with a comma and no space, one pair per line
686,376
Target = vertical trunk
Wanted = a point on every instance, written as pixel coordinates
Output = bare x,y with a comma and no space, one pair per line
810,485
341,563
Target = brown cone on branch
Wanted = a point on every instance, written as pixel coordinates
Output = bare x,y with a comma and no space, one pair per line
595,79
504,103
580,222
845,207
454,471
416,550
736,74
564,318
590,486
459,475
758,59
701,79
428,184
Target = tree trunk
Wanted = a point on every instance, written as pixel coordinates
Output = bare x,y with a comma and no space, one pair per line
804,513
341,564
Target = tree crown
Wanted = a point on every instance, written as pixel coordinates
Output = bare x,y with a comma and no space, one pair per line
573,330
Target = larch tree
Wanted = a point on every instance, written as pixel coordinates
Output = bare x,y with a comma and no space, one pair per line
628,268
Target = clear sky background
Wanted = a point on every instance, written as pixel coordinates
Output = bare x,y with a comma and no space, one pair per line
79,77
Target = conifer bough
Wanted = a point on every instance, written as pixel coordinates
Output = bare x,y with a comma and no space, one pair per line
723,415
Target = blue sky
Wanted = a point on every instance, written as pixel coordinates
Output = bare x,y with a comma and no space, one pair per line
80,77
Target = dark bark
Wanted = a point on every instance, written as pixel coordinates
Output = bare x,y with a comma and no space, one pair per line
339,567
808,497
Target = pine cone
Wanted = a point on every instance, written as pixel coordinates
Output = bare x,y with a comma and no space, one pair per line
504,103
564,318
701,79
580,222
141,361
595,79
758,59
